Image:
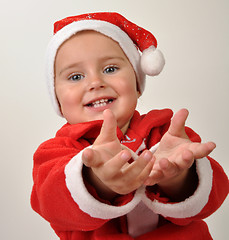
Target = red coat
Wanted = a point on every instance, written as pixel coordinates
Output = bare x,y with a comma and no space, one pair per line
76,212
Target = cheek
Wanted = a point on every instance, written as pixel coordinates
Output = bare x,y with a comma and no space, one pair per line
129,88
66,97
128,81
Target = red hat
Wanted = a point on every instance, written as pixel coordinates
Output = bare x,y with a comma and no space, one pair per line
131,38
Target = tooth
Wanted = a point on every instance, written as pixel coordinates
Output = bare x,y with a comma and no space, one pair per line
101,102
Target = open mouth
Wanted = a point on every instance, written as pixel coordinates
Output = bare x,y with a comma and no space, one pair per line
100,103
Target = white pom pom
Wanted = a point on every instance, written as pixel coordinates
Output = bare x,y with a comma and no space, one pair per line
152,61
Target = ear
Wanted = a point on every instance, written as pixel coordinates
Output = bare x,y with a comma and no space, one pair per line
60,109
138,89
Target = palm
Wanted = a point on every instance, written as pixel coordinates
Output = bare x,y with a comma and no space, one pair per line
171,146
176,153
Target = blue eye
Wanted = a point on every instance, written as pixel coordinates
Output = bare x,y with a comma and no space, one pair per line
110,69
75,77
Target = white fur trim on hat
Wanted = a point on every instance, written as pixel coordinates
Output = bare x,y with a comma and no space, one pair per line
152,61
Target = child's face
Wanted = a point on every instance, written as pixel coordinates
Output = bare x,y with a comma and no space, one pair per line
92,74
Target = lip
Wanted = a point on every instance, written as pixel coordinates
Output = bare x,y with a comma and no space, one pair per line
100,104
99,99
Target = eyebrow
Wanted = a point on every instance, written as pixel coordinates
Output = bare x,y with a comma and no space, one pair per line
106,58
68,67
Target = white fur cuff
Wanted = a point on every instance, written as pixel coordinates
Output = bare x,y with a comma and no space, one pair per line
192,205
86,202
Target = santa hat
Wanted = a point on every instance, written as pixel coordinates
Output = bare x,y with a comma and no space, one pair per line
131,38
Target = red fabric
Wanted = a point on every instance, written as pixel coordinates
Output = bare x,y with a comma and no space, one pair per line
195,230
141,37
218,192
52,200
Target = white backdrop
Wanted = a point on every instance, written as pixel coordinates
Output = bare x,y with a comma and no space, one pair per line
194,37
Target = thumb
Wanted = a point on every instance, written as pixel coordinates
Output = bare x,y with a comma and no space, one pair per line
177,126
108,131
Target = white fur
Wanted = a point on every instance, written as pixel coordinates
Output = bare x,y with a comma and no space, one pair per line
87,203
152,61
192,205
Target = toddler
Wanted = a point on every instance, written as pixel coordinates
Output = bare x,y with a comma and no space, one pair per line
111,173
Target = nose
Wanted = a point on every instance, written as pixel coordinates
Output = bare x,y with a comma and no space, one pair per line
95,83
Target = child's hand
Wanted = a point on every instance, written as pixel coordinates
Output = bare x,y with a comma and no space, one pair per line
176,154
108,168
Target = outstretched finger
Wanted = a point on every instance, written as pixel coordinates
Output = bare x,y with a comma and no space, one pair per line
115,165
201,150
109,128
177,126
89,158
141,166
144,175
154,177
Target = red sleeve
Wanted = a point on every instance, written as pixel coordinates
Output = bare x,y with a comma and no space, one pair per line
218,193
50,196
212,190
